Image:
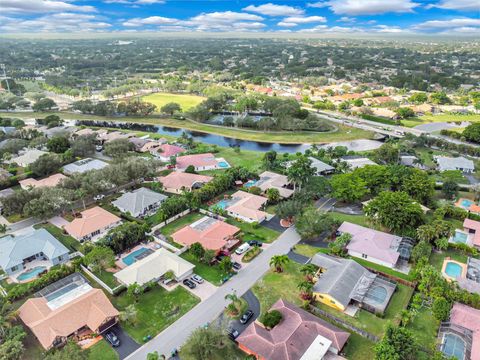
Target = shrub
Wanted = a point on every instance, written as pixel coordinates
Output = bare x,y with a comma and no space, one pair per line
271,318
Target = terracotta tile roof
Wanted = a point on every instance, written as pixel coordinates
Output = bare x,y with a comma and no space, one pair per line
177,180
292,336
50,181
468,318
211,233
90,309
473,225
92,220
248,205
168,150
196,160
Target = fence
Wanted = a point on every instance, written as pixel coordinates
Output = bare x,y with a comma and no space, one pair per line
411,284
172,219
113,291
343,323
211,214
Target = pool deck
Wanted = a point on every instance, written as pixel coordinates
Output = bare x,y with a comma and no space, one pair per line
462,265
29,266
119,262
468,242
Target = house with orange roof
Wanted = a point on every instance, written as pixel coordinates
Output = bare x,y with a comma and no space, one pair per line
213,234
246,207
54,315
299,335
165,151
471,229
50,181
201,162
92,224
177,181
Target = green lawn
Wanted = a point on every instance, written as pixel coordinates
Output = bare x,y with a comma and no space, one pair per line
185,101
308,250
107,278
157,309
355,219
383,269
210,273
251,160
440,118
436,259
169,229
359,348
65,239
102,351
424,327
260,233
344,133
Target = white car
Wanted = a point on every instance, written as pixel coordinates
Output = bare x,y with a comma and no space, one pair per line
242,249
197,278
98,197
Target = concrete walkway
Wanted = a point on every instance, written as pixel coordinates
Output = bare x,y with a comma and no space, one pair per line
176,334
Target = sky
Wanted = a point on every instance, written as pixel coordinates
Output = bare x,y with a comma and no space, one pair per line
451,17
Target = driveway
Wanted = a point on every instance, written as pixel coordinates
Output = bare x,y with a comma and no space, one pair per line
58,221
207,311
254,305
274,224
127,344
301,259
203,291
325,204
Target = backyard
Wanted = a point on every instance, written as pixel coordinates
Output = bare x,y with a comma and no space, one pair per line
252,232
436,259
102,350
185,101
156,310
188,219
210,273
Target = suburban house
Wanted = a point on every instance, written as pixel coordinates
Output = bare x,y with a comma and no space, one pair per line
213,234
151,145
201,162
246,207
460,336
27,157
139,202
166,151
468,205
408,160
138,143
321,167
472,230
273,180
51,181
459,163
357,162
344,282
153,267
84,165
67,309
299,336
376,246
177,181
93,223
37,250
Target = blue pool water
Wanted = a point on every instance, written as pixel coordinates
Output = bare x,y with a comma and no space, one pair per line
250,183
460,237
223,164
223,204
32,273
453,270
466,203
453,345
136,255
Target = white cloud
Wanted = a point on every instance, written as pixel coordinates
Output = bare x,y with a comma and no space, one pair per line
388,29
61,22
135,2
305,20
286,24
334,29
367,7
445,24
473,5
152,20
347,19
320,4
40,6
274,10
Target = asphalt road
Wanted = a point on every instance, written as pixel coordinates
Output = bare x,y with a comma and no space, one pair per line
176,334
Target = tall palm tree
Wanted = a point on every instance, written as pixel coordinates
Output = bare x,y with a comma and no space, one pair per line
278,262
309,270
305,288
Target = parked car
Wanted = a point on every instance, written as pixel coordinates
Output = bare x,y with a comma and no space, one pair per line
189,283
236,266
220,257
247,316
112,338
232,333
242,249
99,147
255,243
98,197
197,278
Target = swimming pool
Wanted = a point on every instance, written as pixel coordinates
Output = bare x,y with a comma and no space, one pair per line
250,183
466,203
222,204
136,255
453,270
453,345
223,164
32,273
460,237
377,294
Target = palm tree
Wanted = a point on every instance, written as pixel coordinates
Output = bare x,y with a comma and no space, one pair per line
309,270
305,288
278,262
7,317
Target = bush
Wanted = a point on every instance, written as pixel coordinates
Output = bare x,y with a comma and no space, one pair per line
251,254
271,318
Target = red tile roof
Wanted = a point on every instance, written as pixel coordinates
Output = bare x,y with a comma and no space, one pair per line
167,150
197,160
292,336
468,318
473,225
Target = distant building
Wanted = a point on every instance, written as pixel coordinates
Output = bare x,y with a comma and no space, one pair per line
358,162
459,163
93,223
271,180
321,167
178,181
51,181
139,202
84,165
246,207
166,151
27,158
201,162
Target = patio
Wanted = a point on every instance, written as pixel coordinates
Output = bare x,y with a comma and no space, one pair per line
31,271
128,258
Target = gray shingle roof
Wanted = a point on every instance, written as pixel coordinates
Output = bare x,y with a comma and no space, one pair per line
458,163
340,277
14,249
136,201
320,165
84,165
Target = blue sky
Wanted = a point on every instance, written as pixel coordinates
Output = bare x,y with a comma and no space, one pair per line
453,17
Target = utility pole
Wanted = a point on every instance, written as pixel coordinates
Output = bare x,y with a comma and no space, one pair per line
2,66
